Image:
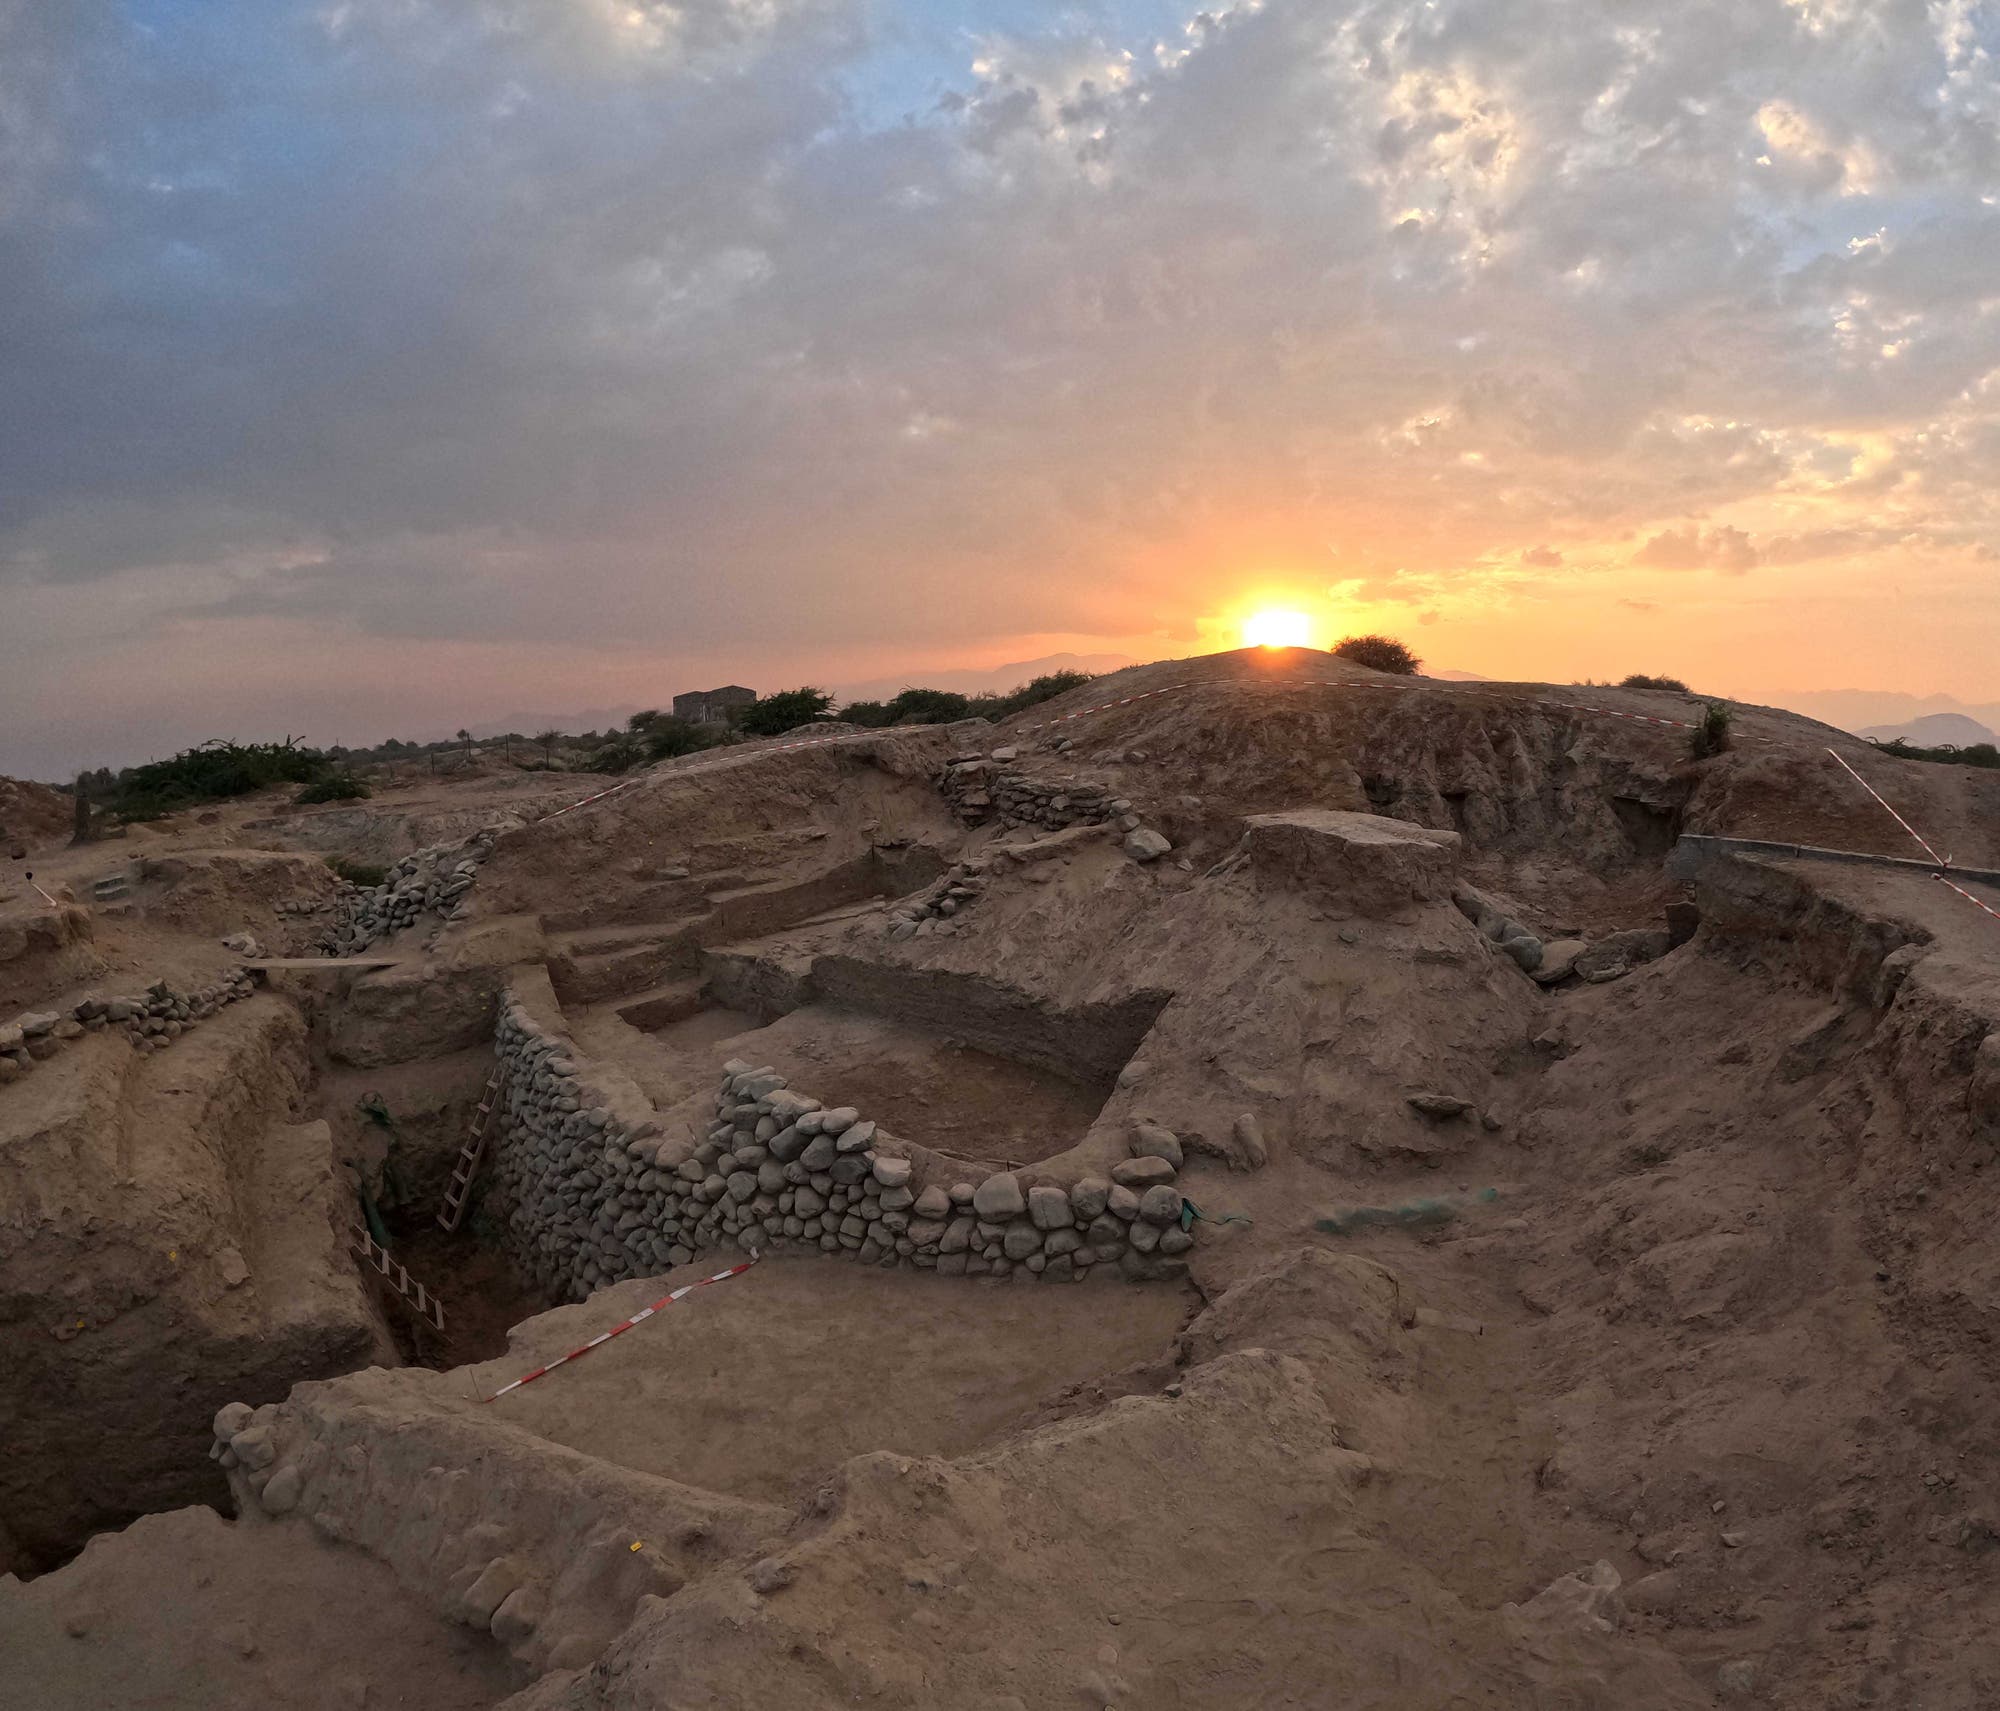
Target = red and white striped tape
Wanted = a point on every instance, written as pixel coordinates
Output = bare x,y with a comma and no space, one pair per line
1974,901
618,1330
1922,842
1944,862
626,784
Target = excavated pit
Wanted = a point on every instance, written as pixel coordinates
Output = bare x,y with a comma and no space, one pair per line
1717,1338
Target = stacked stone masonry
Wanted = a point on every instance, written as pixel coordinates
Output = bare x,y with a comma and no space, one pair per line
431,882
587,1199
982,789
152,1021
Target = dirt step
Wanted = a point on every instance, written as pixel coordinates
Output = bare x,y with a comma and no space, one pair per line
589,967
662,1006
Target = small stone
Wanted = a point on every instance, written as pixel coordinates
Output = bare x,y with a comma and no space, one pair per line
1145,844
1735,1541
934,1203
1142,1172
1089,1195
1021,1240
1161,1204
769,1575
1149,1140
281,1491
999,1198
1050,1209
891,1172
1439,1104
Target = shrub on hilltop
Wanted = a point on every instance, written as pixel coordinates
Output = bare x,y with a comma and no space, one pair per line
1379,653
212,772
667,737
785,711
1711,736
1640,680
918,706
334,787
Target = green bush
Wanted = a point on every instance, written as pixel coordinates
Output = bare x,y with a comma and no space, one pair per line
1033,693
668,737
919,706
1379,653
621,754
334,787
1639,680
927,707
785,711
1711,736
1945,754
212,771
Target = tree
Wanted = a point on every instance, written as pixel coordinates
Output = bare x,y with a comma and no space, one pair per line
548,740
927,707
639,721
465,737
81,834
786,711
668,737
867,713
1379,653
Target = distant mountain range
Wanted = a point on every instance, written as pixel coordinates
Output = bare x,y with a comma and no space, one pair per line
1868,711
1931,731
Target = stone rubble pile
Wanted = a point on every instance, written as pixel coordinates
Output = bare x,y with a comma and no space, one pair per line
1501,928
952,895
588,1198
152,1021
1592,961
430,882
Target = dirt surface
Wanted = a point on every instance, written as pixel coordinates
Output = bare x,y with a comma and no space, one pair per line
186,1612
761,1386
1615,1340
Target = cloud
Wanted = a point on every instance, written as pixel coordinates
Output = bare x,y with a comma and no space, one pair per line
1693,548
664,326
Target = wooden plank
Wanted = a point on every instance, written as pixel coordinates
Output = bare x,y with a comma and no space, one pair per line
319,962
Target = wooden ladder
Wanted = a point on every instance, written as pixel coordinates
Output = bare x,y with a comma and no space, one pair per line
470,1155
406,1288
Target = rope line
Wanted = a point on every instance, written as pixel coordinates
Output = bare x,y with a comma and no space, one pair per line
618,1330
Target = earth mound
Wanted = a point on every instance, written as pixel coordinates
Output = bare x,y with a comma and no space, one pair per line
1251,1183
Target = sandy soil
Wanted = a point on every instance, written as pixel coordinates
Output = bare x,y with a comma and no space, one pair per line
187,1612
762,1385
1722,1330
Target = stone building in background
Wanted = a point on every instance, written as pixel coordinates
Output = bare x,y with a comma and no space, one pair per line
712,706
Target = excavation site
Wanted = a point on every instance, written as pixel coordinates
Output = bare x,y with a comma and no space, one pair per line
1254,1183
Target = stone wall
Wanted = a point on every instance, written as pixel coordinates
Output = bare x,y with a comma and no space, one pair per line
431,882
152,1021
590,1192
987,790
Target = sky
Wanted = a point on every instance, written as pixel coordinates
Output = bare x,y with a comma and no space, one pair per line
372,367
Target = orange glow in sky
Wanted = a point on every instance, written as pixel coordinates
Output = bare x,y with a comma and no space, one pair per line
1277,627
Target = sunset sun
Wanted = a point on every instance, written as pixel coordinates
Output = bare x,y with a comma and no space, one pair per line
1275,627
